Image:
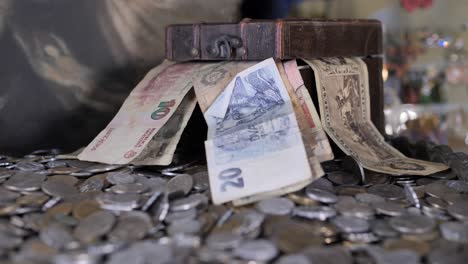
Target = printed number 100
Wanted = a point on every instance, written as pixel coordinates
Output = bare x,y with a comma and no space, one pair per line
231,177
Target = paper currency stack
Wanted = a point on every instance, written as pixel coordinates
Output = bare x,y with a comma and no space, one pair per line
265,137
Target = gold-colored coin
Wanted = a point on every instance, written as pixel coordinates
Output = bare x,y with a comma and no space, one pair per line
67,179
32,200
418,246
302,199
84,208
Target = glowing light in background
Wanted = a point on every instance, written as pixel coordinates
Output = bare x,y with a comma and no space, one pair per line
384,73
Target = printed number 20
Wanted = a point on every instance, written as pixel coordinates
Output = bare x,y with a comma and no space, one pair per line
231,177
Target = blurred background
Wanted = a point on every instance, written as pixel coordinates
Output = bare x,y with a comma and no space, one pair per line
69,65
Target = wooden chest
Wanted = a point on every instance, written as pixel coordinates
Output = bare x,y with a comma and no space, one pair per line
256,40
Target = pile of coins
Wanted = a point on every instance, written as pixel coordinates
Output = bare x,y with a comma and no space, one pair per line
56,210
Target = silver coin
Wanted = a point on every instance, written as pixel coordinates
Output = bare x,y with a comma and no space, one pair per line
180,184
412,224
275,206
369,198
223,240
57,236
131,226
58,189
436,202
118,202
94,226
100,168
120,178
388,208
455,231
93,184
459,210
320,195
314,212
349,224
256,250
201,181
192,201
129,188
343,178
29,166
360,210
437,189
8,196
366,237
181,215
24,181
388,191
293,259
412,196
383,229
185,226
458,186
75,258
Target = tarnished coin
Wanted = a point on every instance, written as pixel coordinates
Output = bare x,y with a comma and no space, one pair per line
343,177
180,185
299,197
67,179
360,210
350,190
62,170
349,224
322,183
275,206
334,254
436,202
373,178
388,191
383,229
320,195
32,200
257,250
94,226
24,181
412,223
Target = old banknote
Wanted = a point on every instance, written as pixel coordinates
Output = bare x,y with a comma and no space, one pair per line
149,124
212,78
309,121
254,144
343,90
